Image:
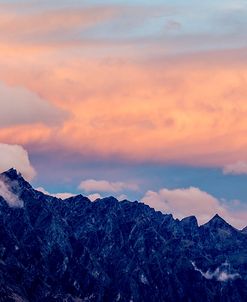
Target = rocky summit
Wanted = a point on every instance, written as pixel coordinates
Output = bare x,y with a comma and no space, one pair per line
77,250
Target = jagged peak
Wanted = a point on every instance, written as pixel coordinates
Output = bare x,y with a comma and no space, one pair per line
12,172
190,220
77,198
217,222
12,176
110,200
217,218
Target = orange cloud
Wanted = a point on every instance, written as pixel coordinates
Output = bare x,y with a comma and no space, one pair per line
36,135
187,109
31,24
28,27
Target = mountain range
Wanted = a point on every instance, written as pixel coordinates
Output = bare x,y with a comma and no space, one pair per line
77,250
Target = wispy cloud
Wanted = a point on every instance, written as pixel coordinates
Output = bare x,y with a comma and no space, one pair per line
70,25
237,168
12,199
221,273
50,21
92,185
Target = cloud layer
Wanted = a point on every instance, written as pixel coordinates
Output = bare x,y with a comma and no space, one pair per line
146,94
180,116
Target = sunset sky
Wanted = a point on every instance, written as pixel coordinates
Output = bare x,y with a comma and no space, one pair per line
137,99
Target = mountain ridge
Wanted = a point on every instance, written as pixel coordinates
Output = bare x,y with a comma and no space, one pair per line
78,250
14,175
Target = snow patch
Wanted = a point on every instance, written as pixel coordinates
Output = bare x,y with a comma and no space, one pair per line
144,279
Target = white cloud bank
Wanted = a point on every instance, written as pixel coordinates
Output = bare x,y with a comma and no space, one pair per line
237,168
15,156
192,201
92,185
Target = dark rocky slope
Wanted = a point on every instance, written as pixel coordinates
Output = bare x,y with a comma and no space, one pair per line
76,250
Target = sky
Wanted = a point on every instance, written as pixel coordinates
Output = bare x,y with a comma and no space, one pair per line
144,100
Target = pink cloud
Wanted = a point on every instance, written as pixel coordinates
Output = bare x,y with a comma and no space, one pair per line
20,106
63,195
192,201
92,185
237,168
94,196
36,26
127,104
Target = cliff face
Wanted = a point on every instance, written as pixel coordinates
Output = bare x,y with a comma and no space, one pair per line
77,250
